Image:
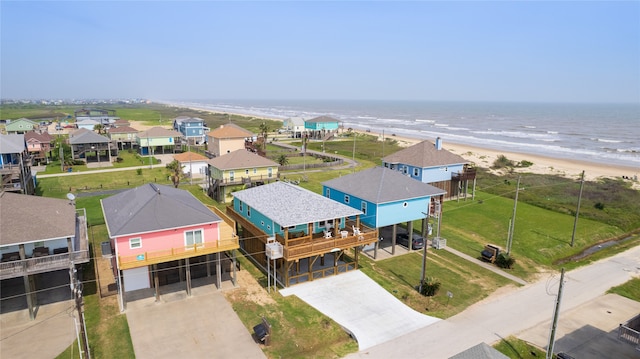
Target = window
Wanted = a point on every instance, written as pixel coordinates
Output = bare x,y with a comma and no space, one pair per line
240,206
246,171
328,193
363,207
255,170
135,243
416,172
346,198
232,176
405,169
192,238
269,172
248,211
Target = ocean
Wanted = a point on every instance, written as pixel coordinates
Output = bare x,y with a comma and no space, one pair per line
601,133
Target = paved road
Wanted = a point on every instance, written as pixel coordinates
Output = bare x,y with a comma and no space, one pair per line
507,314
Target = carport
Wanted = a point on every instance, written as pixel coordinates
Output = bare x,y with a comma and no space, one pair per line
364,309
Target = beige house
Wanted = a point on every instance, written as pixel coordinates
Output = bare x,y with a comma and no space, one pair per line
124,136
227,138
238,169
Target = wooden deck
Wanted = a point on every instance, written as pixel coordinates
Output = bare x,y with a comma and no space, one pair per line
42,264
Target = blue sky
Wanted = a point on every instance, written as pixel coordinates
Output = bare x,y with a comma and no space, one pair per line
545,51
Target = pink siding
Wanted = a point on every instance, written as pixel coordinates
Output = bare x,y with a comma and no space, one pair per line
162,240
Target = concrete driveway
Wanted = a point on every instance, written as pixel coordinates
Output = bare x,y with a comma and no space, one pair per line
201,326
371,314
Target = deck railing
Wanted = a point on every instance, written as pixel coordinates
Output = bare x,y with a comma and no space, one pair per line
42,264
306,246
171,254
628,334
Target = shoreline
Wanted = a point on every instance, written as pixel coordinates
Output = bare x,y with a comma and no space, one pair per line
484,157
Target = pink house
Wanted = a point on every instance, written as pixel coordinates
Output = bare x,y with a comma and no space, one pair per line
163,235
38,144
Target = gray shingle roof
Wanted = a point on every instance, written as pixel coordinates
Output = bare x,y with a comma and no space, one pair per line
12,143
88,137
58,219
240,159
423,155
159,132
480,351
382,185
152,207
290,205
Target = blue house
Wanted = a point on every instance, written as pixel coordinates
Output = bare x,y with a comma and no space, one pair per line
430,163
311,228
192,129
385,197
15,165
322,127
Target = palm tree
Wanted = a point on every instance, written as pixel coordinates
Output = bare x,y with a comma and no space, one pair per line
283,160
175,172
264,130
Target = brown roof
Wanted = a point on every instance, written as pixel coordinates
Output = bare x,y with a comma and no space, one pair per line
189,156
424,154
230,130
240,159
122,129
57,219
159,132
320,119
41,137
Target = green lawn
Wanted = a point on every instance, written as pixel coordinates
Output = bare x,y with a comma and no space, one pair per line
467,282
519,349
630,289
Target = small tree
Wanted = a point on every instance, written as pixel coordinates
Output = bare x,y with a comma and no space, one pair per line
283,160
175,172
502,161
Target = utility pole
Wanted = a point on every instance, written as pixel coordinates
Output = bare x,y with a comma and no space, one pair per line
424,250
575,221
76,290
556,313
353,153
513,218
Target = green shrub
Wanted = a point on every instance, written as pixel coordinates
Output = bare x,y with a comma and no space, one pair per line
525,163
599,205
502,161
505,261
139,171
430,287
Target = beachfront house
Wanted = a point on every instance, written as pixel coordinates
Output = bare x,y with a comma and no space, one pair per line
193,129
238,169
101,116
193,164
385,197
158,139
32,251
228,138
321,128
15,165
430,163
163,235
295,126
123,136
20,126
314,232
89,146
87,124
38,145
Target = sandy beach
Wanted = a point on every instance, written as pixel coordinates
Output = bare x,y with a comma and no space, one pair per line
484,157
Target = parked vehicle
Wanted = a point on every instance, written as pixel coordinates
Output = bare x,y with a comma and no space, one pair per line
417,242
490,252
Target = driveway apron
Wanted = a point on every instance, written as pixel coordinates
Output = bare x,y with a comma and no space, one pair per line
201,326
371,314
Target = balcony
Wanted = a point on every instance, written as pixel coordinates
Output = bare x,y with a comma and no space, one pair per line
307,246
172,254
42,264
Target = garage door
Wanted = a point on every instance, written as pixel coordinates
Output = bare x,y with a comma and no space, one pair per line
136,278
